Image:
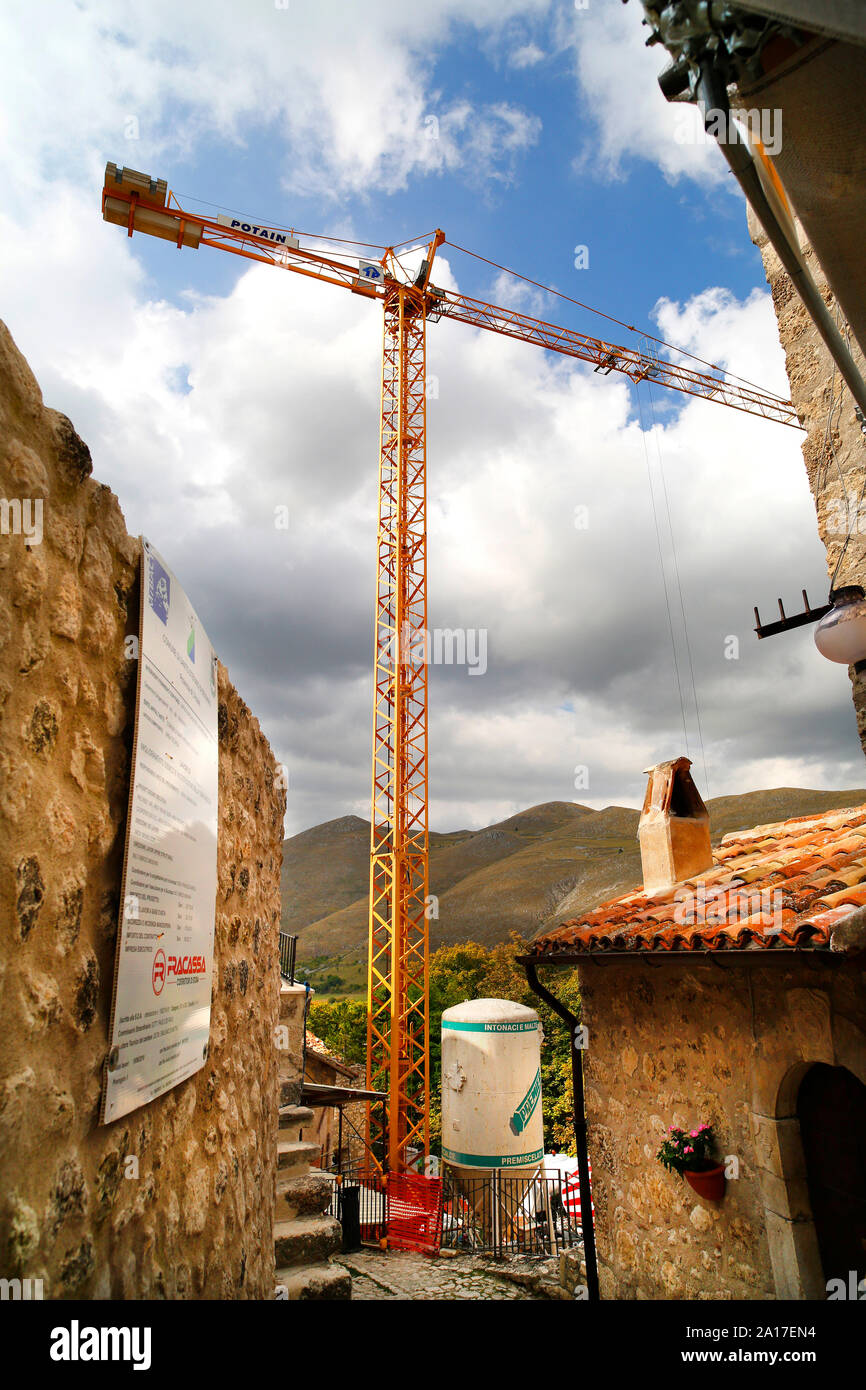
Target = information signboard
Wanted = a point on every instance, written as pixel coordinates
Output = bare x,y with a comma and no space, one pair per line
160,1015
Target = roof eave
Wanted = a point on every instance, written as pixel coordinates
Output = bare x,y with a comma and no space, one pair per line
712,952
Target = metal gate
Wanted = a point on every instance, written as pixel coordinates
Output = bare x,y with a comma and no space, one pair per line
504,1214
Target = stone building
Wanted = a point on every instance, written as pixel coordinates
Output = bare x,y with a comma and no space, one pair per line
178,1199
834,447
733,996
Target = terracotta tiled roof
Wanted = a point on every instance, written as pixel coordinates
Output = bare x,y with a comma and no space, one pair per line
315,1044
781,886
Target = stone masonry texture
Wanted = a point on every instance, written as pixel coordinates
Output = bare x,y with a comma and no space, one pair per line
177,1199
834,444
687,1042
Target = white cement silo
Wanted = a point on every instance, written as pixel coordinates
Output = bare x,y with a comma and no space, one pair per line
491,1087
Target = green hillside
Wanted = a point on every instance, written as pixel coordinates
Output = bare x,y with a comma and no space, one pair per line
524,874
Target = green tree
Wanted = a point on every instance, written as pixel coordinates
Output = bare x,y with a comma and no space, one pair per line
471,971
342,1026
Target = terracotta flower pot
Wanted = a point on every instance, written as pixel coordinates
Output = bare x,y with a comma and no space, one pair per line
709,1184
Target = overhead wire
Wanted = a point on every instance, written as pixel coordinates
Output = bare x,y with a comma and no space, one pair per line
323,237
547,289
411,247
417,241
277,223
601,314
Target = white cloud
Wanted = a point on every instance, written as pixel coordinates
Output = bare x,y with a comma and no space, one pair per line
728,333
510,292
617,75
204,416
282,409
528,55
348,92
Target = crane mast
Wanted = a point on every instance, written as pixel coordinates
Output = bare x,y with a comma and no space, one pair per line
398,1044
398,1041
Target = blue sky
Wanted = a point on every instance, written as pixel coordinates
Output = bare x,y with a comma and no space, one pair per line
212,391
647,239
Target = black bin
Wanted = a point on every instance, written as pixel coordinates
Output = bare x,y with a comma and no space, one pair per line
350,1217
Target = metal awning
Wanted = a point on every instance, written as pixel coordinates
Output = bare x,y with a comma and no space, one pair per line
316,1094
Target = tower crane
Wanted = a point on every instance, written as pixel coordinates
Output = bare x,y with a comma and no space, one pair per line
398,1043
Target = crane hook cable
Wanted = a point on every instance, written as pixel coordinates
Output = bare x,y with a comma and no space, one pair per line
643,435
679,588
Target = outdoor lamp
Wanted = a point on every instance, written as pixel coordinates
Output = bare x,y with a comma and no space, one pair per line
841,633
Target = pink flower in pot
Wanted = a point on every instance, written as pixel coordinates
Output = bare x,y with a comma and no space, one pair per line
690,1156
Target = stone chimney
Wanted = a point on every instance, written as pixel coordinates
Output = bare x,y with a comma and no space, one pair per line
674,828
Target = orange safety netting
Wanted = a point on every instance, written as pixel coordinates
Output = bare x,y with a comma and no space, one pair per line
414,1212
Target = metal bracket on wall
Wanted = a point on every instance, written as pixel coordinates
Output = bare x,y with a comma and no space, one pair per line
785,623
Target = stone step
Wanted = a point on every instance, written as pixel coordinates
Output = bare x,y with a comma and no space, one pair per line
308,1240
315,1281
307,1195
296,1154
295,1116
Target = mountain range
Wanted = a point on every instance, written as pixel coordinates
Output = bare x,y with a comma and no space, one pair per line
524,874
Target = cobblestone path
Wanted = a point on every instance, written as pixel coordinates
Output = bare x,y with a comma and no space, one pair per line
401,1274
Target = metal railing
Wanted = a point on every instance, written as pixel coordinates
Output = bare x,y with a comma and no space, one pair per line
288,948
497,1214
506,1214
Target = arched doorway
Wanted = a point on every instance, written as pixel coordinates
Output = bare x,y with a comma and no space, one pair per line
831,1108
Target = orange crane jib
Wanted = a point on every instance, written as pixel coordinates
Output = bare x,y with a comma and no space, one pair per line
398,1023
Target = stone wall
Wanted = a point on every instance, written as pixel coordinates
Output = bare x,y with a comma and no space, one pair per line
724,1043
833,448
293,1021
197,1219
